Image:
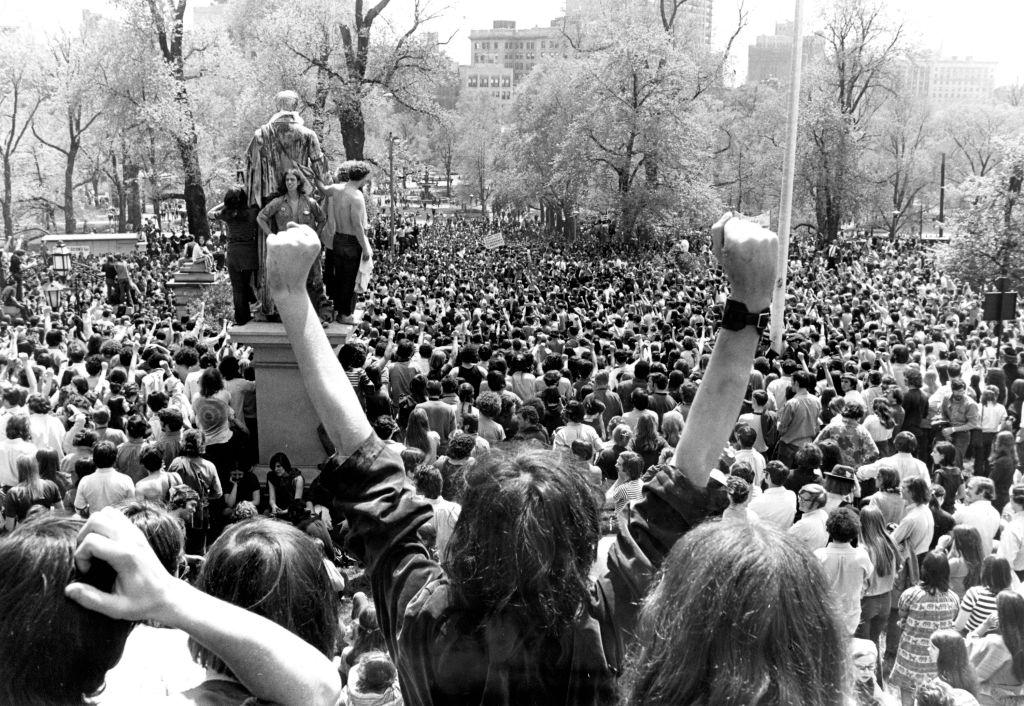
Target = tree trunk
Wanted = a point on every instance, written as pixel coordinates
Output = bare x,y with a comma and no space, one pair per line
353,129
195,196
95,188
568,223
69,187
133,200
6,205
483,196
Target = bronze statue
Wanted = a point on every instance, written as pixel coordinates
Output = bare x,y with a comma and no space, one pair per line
284,143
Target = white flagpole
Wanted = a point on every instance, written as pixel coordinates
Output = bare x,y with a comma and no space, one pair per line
778,320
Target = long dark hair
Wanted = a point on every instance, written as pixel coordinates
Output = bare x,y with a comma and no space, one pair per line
236,204
301,188
1010,609
37,561
967,541
210,382
935,572
523,547
743,614
276,571
416,431
952,663
877,541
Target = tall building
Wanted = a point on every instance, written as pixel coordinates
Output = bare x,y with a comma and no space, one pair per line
948,79
770,56
516,49
487,79
695,15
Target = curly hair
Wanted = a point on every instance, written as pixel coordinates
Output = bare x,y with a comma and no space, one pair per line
489,404
524,544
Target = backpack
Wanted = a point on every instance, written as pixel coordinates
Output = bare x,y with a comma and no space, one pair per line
191,476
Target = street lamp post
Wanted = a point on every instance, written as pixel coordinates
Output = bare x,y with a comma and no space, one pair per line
61,259
54,292
391,187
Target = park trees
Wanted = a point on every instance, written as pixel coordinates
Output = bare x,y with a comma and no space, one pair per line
72,105
645,89
20,97
903,162
973,134
845,91
479,129
988,239
347,51
163,21
750,125
539,157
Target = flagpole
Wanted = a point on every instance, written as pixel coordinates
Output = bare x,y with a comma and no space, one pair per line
778,321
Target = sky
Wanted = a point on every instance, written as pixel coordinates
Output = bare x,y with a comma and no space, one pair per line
985,29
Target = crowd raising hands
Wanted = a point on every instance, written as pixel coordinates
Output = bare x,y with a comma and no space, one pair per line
553,476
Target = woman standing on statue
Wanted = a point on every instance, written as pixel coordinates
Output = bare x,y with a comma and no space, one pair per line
293,206
242,253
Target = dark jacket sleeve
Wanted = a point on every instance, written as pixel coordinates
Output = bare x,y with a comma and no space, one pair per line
384,515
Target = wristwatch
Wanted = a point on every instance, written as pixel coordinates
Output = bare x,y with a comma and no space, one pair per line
735,317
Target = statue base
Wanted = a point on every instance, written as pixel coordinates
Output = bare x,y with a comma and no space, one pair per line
286,418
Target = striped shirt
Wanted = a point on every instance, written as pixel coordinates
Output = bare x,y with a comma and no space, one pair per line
624,493
978,604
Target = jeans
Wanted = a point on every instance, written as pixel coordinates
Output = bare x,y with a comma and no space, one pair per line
960,439
241,293
874,613
874,618
346,256
981,451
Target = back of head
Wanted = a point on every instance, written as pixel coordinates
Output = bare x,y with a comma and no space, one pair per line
995,574
276,571
696,650
164,531
524,543
53,651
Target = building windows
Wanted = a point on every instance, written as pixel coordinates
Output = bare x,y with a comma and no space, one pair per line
506,82
471,82
495,82
505,95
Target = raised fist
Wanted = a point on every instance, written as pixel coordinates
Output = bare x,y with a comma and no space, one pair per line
290,254
748,253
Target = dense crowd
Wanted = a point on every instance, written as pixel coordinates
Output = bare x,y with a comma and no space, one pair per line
554,472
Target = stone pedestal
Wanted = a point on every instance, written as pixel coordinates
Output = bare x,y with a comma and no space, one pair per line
287,421
187,285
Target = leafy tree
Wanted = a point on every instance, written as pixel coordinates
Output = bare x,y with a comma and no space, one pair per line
844,92
163,20
349,51
479,130
750,121
903,161
73,105
19,102
973,134
989,228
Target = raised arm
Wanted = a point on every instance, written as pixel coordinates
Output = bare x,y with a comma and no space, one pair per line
747,253
290,254
275,664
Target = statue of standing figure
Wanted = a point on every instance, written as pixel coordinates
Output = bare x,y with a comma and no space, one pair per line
285,147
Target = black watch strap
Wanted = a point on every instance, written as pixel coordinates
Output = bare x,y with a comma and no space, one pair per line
735,317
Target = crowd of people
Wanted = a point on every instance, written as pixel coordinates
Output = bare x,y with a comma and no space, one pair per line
554,472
